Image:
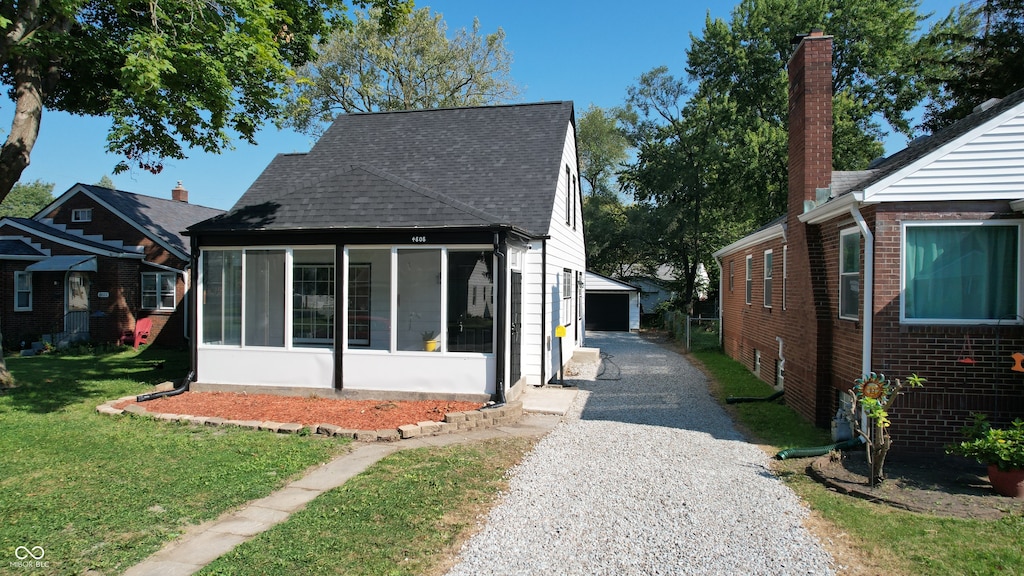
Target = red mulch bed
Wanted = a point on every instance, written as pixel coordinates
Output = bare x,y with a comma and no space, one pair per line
351,414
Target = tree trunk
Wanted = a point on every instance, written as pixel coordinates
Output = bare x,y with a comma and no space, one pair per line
28,111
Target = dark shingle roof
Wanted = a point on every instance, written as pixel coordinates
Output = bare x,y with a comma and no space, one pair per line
17,248
163,218
66,237
921,148
445,167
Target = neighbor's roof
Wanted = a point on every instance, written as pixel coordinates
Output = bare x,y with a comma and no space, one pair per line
163,218
69,238
493,165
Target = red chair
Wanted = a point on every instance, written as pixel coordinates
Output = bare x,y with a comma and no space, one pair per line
142,328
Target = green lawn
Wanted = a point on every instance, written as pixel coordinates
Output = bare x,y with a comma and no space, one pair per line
104,492
406,515
892,541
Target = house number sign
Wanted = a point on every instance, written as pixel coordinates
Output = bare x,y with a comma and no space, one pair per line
419,239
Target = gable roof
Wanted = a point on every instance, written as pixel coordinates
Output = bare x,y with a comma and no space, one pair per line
75,240
19,247
419,168
943,166
161,219
922,148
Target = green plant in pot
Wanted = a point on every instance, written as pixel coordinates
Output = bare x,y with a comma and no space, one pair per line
1001,449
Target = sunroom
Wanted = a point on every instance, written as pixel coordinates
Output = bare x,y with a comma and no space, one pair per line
415,318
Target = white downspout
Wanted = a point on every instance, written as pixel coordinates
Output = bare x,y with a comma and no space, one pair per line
869,283
721,296
869,300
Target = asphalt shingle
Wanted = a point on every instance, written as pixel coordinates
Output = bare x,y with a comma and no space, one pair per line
445,167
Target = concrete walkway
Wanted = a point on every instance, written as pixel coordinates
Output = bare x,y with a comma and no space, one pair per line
204,543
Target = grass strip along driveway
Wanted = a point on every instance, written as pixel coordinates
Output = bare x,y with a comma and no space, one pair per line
102,493
881,539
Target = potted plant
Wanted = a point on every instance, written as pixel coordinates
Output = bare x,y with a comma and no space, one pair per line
1001,449
429,342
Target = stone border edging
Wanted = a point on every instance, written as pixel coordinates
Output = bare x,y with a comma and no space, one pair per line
485,417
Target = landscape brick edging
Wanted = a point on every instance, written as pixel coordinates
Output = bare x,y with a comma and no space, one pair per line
453,422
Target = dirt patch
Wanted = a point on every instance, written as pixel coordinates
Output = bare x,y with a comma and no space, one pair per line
350,414
925,484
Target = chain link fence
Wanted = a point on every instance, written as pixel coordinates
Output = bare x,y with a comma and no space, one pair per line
696,333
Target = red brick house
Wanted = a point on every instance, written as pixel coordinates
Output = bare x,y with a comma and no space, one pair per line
910,267
95,260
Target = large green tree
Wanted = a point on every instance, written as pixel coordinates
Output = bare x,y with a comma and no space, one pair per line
712,146
980,55
171,74
414,65
26,199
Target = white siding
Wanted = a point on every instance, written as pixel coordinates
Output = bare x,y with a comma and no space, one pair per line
565,250
985,164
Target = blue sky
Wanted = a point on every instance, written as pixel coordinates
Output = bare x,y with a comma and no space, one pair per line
585,51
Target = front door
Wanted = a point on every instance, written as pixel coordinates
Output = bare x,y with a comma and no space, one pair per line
76,316
516,367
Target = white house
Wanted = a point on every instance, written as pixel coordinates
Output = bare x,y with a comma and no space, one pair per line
458,226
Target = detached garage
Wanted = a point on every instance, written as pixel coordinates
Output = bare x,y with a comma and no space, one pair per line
611,305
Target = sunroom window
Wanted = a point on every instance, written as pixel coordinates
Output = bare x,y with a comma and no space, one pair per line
961,272
221,297
312,297
470,301
369,298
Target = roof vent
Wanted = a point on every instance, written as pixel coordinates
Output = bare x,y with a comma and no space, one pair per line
987,104
876,162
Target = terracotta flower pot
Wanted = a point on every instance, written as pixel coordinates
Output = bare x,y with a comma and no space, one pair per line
1007,482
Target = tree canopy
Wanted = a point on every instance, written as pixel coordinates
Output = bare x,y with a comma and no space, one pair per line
414,65
172,75
712,146
980,55
26,199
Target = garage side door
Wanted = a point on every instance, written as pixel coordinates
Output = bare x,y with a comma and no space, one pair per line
608,312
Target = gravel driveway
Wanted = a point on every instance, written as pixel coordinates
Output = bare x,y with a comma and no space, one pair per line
646,476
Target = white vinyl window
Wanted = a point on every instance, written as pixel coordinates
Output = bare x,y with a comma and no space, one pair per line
849,274
158,290
961,272
768,272
23,291
567,290
750,278
81,215
785,273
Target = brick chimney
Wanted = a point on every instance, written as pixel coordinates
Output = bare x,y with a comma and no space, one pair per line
810,119
179,193
807,332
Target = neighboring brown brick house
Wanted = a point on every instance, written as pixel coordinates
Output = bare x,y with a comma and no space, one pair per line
928,242
91,263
